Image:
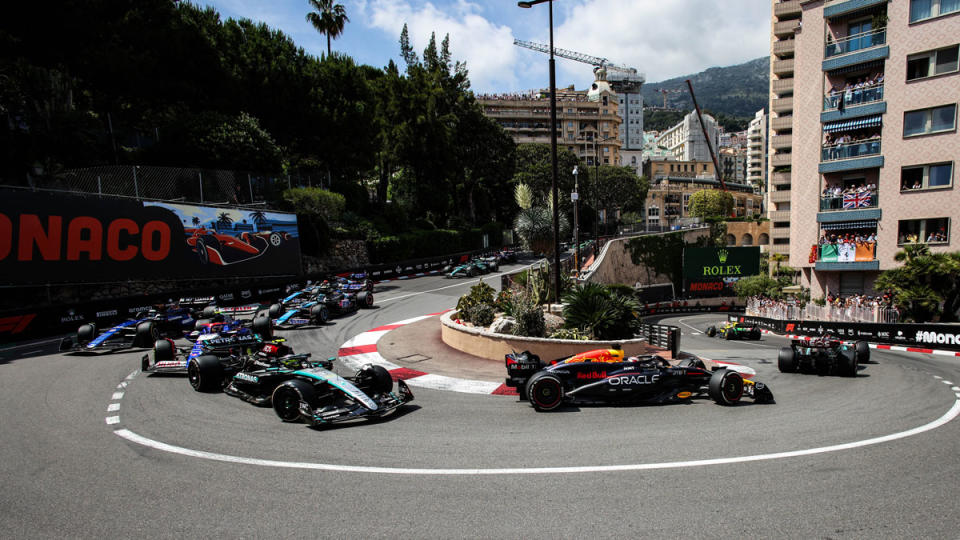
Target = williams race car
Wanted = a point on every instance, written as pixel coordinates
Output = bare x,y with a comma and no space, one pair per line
824,355
734,330
138,332
605,375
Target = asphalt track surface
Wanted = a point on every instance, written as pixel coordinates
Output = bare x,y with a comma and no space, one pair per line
437,469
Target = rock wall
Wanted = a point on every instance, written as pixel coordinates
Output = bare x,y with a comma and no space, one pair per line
615,265
344,255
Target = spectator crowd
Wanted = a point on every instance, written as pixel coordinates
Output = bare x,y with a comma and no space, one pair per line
853,308
863,90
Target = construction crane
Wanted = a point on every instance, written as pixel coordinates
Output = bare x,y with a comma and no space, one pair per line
624,79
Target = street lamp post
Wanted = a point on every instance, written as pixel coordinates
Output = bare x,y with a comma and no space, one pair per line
553,150
575,197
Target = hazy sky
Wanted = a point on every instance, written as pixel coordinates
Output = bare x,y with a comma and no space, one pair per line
661,38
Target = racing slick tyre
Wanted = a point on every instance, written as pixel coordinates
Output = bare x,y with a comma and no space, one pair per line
544,391
711,331
728,335
862,348
472,272
264,327
755,333
787,360
726,387
847,364
275,239
209,312
374,379
288,396
275,311
319,313
163,350
147,333
205,373
202,252
86,333
365,300
200,323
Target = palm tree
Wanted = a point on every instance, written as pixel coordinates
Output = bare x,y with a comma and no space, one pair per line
195,221
224,219
328,18
259,217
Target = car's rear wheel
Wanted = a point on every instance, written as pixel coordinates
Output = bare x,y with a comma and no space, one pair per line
755,333
726,387
848,363
544,391
275,311
288,396
711,331
319,313
862,349
787,360
205,373
365,299
209,312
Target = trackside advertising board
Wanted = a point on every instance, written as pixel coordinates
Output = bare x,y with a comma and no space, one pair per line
714,271
62,238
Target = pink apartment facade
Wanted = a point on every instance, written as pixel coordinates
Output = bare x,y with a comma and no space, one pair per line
875,99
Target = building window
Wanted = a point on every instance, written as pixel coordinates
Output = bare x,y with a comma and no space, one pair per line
781,241
781,224
932,63
930,231
933,120
927,9
653,211
939,175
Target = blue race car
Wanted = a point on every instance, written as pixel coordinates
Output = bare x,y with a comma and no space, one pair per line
139,332
318,305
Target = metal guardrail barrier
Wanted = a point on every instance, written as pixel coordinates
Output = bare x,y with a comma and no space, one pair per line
813,312
664,336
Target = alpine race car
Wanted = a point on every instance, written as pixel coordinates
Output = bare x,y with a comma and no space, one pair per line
355,283
318,307
138,332
824,355
734,330
168,358
605,375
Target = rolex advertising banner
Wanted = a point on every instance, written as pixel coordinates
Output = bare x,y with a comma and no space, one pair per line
714,271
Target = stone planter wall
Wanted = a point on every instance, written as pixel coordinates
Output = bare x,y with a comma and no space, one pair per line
484,344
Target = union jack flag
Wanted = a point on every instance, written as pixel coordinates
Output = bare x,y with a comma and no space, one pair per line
856,200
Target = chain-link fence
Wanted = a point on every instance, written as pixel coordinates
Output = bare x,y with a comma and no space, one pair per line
206,186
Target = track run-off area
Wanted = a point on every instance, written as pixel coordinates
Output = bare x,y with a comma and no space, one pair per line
94,448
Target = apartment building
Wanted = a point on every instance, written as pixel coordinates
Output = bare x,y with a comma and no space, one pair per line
778,143
875,106
757,150
673,182
587,120
733,164
686,141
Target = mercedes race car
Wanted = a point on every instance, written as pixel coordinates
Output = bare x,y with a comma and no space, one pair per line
138,332
734,330
605,375
824,355
467,269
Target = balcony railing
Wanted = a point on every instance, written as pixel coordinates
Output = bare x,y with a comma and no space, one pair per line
856,42
849,201
850,150
854,97
844,252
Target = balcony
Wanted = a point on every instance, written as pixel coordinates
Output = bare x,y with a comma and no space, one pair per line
781,141
779,215
779,232
853,98
836,8
781,105
787,8
783,67
850,150
853,256
782,86
855,42
786,28
781,123
780,160
784,47
850,202
779,178
780,196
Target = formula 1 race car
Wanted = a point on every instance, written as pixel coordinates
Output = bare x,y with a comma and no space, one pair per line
317,307
168,358
138,332
734,330
218,359
355,283
220,322
824,355
467,269
605,375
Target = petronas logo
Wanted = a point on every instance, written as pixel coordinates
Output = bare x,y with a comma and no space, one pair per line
722,255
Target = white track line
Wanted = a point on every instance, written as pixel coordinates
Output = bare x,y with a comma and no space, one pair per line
164,447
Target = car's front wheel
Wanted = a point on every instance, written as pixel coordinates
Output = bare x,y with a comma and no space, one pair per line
726,387
205,373
287,397
711,331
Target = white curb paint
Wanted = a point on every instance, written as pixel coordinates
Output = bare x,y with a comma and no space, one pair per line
157,445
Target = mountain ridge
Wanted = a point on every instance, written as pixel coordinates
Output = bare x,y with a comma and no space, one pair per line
739,90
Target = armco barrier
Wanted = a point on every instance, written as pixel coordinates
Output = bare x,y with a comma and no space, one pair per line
922,335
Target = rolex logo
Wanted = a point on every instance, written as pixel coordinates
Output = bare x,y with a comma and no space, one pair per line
722,255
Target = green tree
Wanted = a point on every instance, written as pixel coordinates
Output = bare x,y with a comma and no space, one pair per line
760,285
926,286
328,19
600,312
711,203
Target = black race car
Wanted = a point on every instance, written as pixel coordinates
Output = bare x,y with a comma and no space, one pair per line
605,375
139,332
823,355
